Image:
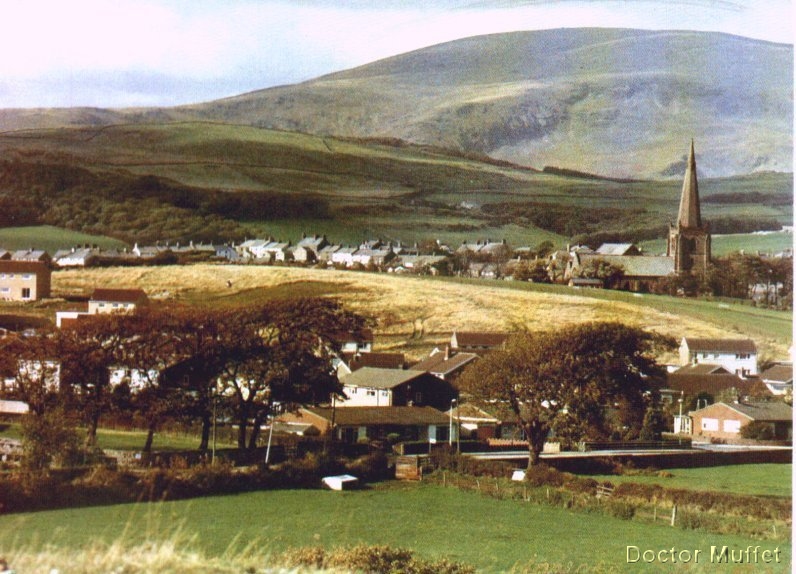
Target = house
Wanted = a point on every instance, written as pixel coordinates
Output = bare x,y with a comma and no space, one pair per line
302,254
475,341
778,378
445,365
474,422
32,255
76,257
116,300
376,257
725,420
24,280
351,362
738,356
374,387
351,343
344,256
714,380
314,243
325,254
252,248
364,424
627,249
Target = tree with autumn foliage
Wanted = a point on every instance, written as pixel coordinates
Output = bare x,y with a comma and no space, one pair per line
566,381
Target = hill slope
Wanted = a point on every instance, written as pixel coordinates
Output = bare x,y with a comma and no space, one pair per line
616,102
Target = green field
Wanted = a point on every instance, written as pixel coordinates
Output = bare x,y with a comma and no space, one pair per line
495,535
134,440
722,245
757,479
52,238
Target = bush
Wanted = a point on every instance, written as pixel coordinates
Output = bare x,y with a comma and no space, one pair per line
622,510
758,431
371,560
49,439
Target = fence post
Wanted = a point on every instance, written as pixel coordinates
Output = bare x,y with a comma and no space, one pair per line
674,514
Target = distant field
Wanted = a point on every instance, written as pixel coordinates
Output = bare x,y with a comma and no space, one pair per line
51,238
415,314
758,479
726,244
494,535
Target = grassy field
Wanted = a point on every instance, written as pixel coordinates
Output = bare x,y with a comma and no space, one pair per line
759,479
494,535
51,238
134,440
414,314
722,245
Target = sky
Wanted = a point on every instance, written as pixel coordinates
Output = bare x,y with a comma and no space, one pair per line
129,53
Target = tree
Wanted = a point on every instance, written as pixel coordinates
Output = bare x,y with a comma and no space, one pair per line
610,274
563,381
280,353
32,362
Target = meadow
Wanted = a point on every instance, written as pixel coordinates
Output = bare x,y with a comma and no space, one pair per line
414,314
758,479
52,239
434,521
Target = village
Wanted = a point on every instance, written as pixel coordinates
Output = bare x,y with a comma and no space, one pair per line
718,392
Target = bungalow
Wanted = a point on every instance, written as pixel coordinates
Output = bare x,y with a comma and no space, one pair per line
347,342
476,341
738,356
374,387
363,424
641,273
778,378
725,420
713,380
24,280
116,300
474,422
445,365
375,257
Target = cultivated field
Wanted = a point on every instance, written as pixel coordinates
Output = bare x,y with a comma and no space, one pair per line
413,314
434,521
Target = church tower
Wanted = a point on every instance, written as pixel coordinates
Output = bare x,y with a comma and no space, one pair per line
689,240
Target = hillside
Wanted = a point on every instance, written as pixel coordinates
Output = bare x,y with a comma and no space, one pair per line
206,181
616,102
415,314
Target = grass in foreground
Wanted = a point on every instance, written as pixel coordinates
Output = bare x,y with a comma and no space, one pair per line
757,479
435,522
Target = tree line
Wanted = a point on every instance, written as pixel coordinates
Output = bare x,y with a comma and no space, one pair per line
182,363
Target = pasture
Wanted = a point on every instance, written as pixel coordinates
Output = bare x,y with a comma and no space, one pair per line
494,535
52,239
757,479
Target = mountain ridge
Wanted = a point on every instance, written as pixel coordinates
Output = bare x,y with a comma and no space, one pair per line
621,103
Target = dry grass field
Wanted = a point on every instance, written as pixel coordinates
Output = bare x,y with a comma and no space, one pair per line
411,314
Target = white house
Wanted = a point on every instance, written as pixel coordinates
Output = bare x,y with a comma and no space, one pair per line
737,356
344,256
115,300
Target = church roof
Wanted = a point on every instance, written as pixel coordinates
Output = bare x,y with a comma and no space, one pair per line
689,215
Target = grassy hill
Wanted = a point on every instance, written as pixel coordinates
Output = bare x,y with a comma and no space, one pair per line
415,314
207,181
616,102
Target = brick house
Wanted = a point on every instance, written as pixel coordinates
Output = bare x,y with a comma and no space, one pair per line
725,420
24,280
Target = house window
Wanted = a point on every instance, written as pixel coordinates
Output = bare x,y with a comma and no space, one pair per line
418,398
371,393
27,276
442,433
710,424
385,393
349,435
5,289
26,292
732,426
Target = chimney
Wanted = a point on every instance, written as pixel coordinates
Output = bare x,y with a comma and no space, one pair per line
447,352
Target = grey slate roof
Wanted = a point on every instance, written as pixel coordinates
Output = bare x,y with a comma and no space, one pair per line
778,373
721,345
375,378
769,411
635,265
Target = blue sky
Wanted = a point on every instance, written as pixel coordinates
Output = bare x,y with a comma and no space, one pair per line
114,53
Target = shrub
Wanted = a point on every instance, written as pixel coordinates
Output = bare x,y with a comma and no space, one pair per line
622,510
371,560
758,431
49,439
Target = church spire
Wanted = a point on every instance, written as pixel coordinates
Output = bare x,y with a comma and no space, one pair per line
689,216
